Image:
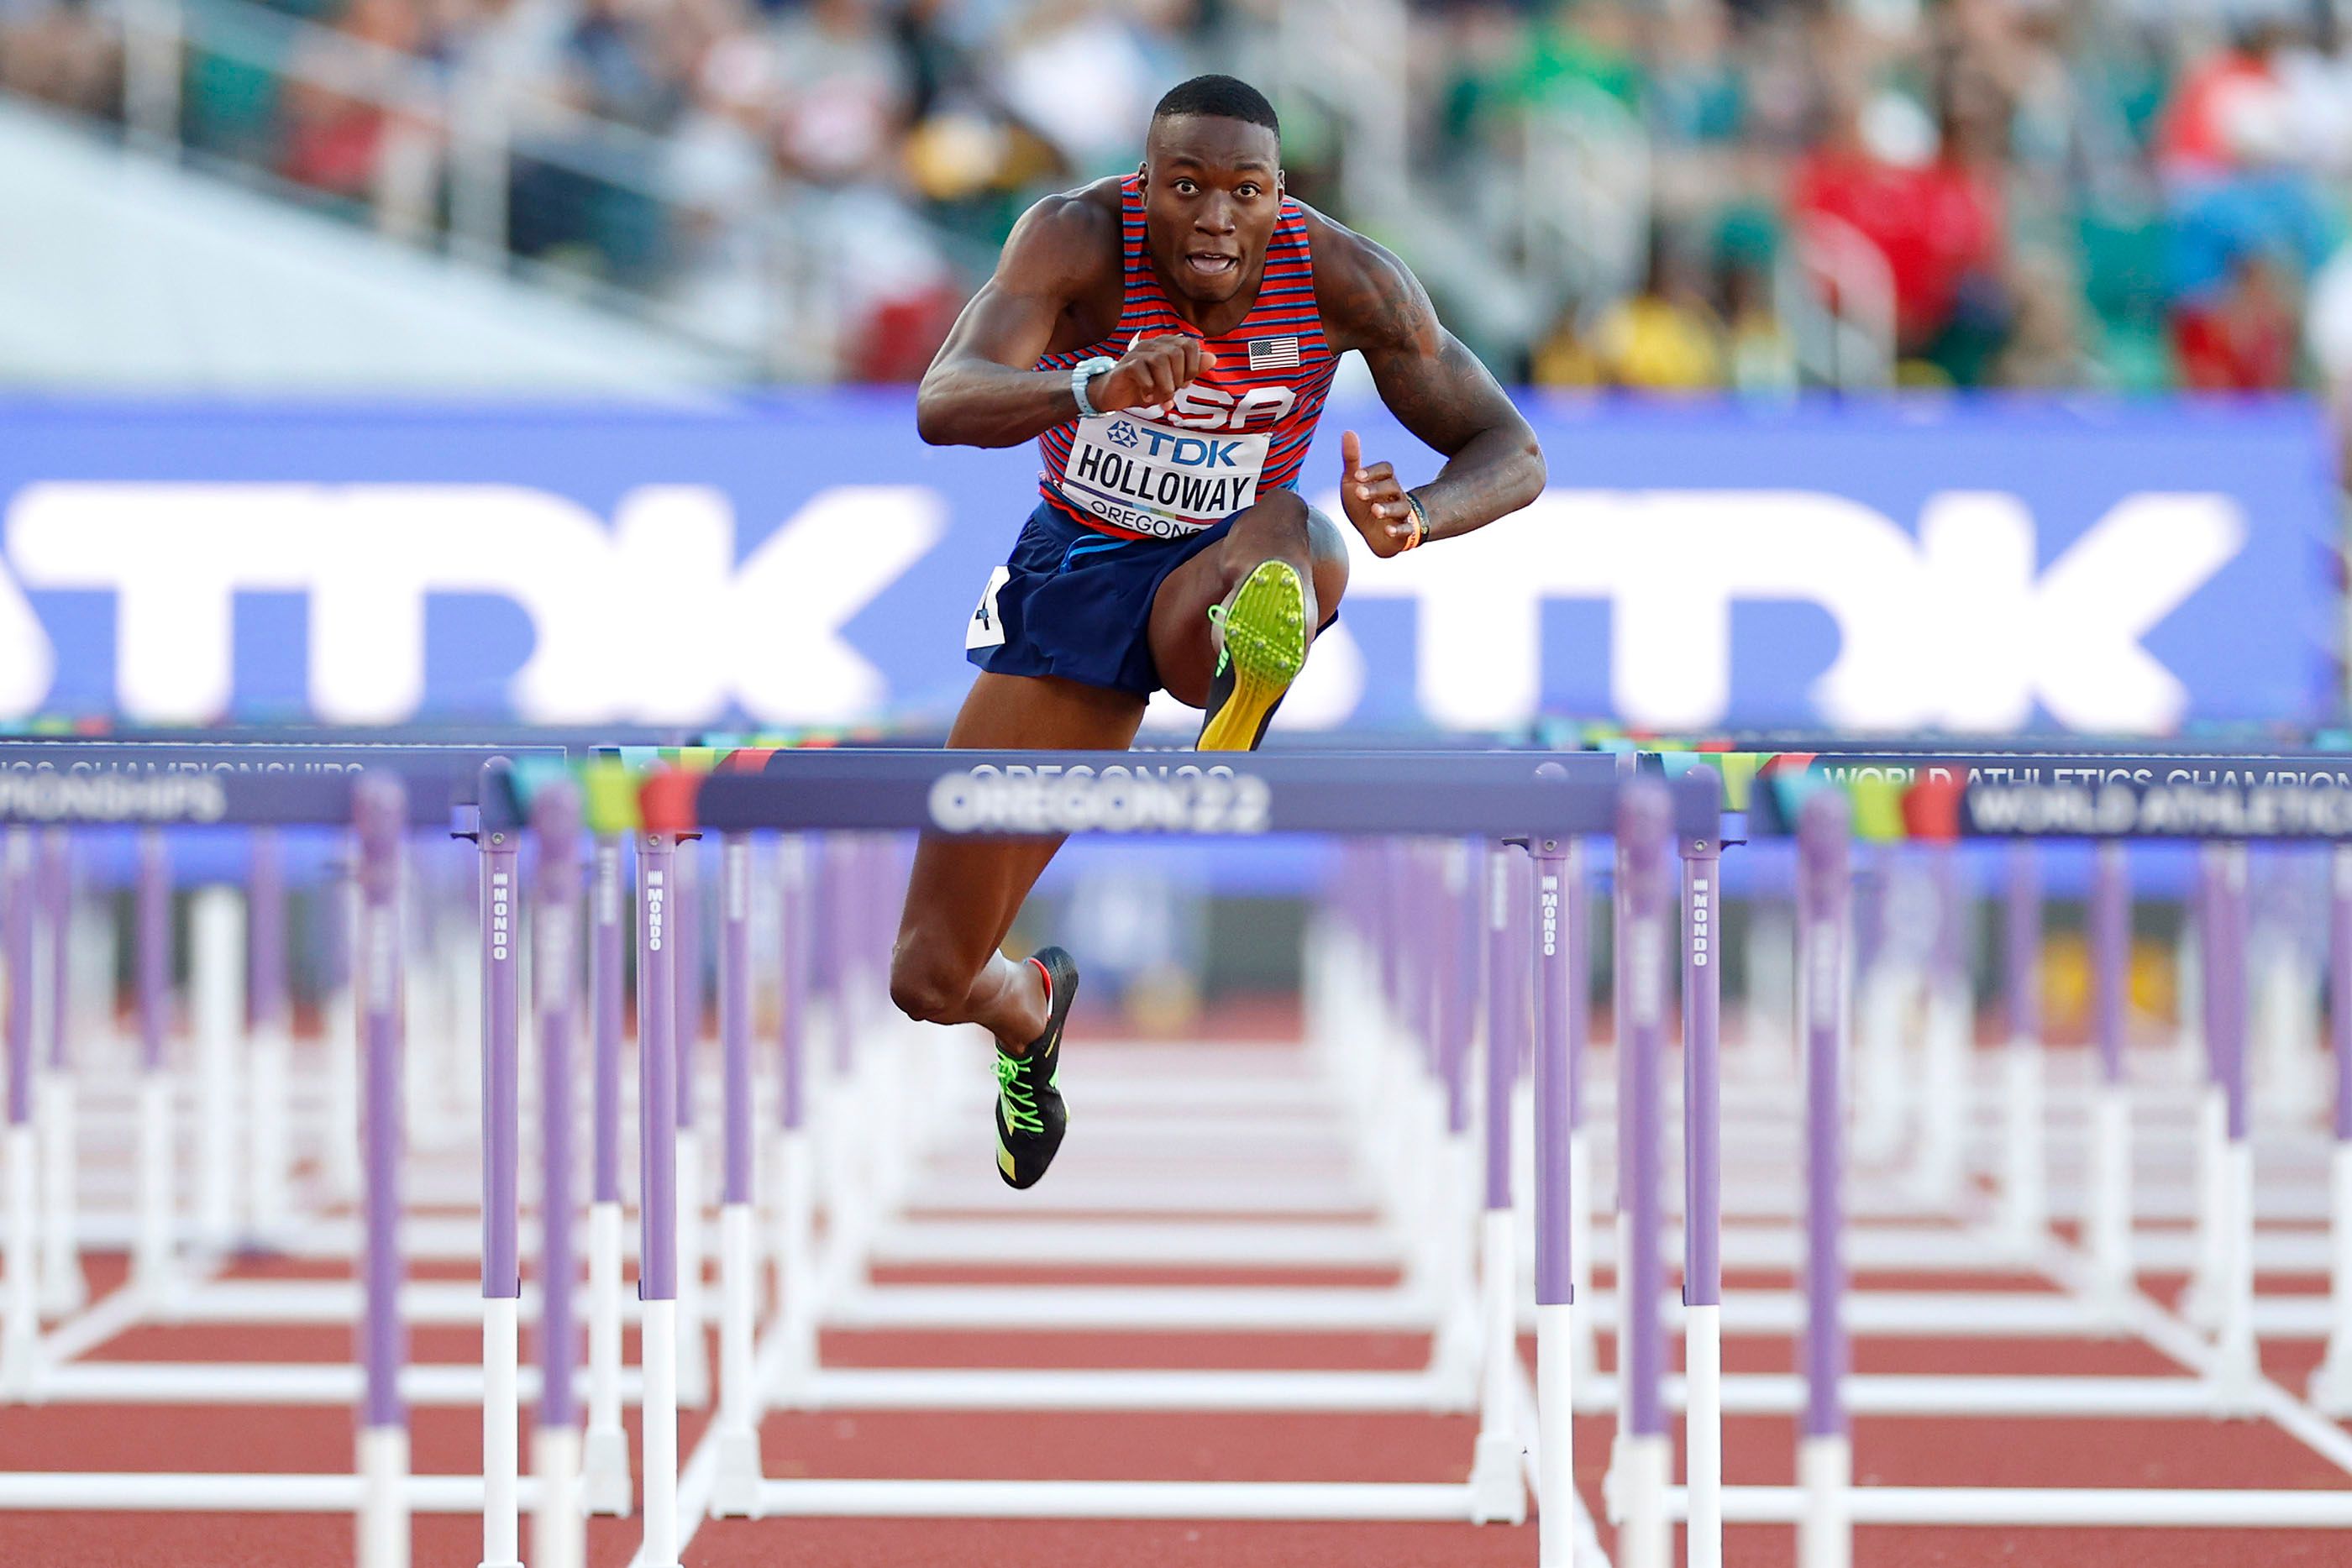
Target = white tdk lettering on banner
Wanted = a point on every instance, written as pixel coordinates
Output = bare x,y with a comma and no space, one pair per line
651,617
1953,629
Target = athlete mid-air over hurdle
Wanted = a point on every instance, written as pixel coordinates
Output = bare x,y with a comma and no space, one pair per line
1167,337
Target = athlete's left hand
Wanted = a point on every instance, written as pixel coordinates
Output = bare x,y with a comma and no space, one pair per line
1374,500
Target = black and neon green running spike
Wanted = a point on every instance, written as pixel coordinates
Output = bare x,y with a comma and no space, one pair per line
1030,1115
1264,648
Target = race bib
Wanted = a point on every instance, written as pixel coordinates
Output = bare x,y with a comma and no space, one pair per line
1149,479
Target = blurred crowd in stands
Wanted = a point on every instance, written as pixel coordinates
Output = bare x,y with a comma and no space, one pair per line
2120,194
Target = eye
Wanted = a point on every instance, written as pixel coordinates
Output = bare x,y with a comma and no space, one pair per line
1185,187
1247,191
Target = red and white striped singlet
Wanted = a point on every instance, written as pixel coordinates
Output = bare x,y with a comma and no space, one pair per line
1165,472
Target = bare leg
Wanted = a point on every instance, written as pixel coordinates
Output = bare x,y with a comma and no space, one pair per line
964,892
1281,527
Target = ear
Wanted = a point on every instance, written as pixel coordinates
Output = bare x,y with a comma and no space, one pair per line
1281,181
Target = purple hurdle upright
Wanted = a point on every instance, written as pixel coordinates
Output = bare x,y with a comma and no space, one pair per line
2110,1220
1645,1452
686,931
1559,912
63,1288
1497,1490
795,1166
1946,1095
151,1251
500,847
2331,1385
2025,1206
604,1450
1702,858
2235,1369
735,1488
20,1340
559,1535
1824,1449
270,1013
2200,1302
657,1196
1620,917
380,807
1457,933
1583,1342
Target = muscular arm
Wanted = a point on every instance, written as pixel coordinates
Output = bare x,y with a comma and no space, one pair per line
1431,383
980,390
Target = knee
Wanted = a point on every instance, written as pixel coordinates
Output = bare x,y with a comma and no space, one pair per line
1277,525
1283,512
927,984
1327,550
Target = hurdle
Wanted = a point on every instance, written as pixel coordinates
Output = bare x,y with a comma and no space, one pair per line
63,1287
560,1519
1488,796
605,1483
2135,798
383,795
1436,1288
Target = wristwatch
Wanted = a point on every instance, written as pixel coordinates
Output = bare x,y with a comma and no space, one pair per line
1081,373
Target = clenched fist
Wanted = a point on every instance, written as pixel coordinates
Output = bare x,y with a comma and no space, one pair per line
1152,372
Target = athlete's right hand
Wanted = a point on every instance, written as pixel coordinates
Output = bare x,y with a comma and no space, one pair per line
1151,372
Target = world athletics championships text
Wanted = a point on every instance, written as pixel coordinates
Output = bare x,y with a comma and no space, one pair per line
111,798
2317,810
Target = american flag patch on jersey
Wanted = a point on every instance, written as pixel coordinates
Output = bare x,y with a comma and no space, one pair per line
1274,353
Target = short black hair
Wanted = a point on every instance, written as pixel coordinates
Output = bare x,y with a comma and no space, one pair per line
1218,98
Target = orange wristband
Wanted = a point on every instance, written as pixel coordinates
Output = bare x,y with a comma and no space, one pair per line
1420,522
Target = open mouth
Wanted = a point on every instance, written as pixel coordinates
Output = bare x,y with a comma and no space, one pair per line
1212,264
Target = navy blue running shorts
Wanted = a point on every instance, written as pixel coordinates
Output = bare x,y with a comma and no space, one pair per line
1075,602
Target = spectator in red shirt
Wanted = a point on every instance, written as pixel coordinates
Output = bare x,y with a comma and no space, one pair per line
1936,222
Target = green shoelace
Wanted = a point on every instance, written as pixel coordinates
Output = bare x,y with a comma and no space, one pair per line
1019,1101
1224,651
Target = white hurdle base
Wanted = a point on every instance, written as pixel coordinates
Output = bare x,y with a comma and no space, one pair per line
2237,1367
1583,1353
1497,1487
268,1160
382,1493
1556,1435
381,1490
2024,1195
1296,1501
2331,1385
694,1352
20,1337
559,1525
1646,1538
2109,1221
605,1481
2017,1508
63,1289
151,1251
502,1426
1703,1461
658,1350
1824,1514
2201,1301
735,1480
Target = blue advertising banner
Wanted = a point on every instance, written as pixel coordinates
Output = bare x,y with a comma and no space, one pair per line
1961,565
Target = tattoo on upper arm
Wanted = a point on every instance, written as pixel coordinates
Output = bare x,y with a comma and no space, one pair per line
1442,393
